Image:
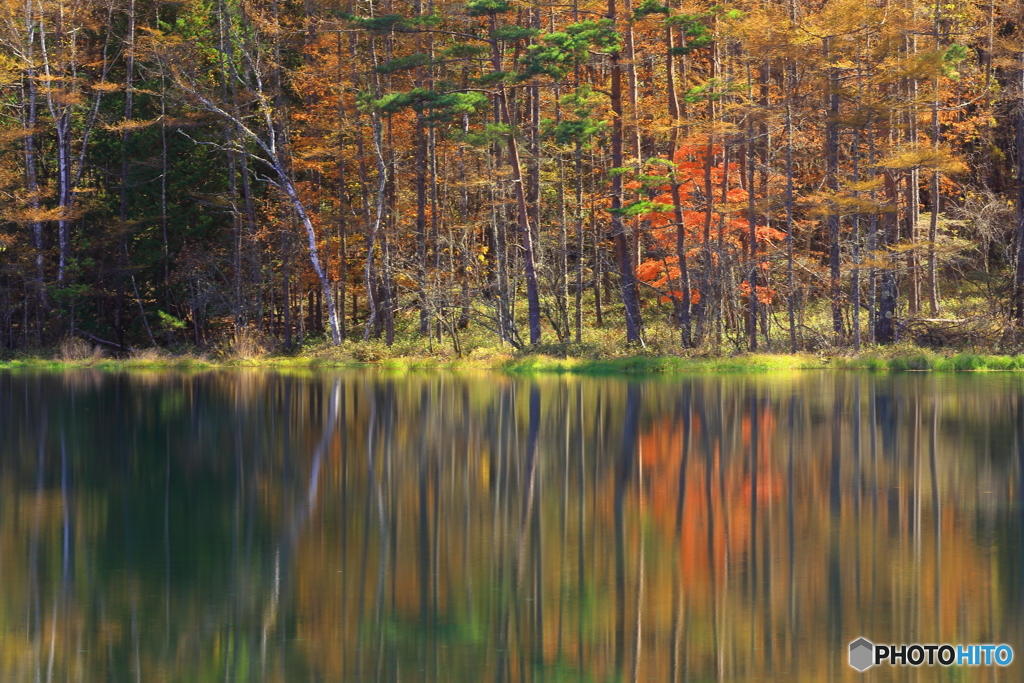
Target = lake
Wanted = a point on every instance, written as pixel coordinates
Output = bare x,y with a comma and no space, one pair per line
358,526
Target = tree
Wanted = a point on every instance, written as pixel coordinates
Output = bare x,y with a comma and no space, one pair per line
253,61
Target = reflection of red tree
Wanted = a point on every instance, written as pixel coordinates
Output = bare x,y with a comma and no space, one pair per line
727,512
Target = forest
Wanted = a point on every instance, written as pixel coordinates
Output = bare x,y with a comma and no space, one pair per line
778,175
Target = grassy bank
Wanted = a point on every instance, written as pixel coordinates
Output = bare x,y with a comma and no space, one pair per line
518,364
555,360
927,361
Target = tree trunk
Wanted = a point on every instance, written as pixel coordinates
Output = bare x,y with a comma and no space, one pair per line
707,279
286,295
790,281
627,273
421,222
752,225
369,274
933,223
32,185
885,319
855,276
598,273
525,233
832,183
522,210
1018,289
683,301
578,320
913,178
63,130
314,253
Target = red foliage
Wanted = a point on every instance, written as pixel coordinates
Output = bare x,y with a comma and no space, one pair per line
729,225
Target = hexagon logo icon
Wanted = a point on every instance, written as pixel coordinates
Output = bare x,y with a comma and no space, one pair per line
862,654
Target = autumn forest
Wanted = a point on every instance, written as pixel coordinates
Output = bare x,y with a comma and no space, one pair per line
778,175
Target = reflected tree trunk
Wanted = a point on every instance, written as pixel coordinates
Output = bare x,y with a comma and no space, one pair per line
623,472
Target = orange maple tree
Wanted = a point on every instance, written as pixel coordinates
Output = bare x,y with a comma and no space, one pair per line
727,233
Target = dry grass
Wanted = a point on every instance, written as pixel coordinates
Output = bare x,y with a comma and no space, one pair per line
151,355
73,349
248,344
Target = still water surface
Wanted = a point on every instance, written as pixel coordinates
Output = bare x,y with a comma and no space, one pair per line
256,526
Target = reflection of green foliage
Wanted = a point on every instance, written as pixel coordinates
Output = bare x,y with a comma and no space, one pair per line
234,654
403,630
560,671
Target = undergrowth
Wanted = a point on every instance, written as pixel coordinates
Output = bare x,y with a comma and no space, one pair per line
600,351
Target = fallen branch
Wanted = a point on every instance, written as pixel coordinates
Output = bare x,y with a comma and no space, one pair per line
96,339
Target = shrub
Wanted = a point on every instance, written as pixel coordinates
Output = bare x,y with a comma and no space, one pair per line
74,349
917,361
248,344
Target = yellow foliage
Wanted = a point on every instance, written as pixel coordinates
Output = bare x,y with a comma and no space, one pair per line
125,125
922,157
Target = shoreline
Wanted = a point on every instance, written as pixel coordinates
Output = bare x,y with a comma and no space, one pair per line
539,363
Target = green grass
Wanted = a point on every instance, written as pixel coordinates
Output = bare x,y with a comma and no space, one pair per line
491,359
537,363
657,365
602,352
931,361
170,363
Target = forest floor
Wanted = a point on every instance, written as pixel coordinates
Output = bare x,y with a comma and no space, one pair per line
603,351
970,337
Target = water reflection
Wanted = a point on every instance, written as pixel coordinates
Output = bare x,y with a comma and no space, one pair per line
253,526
